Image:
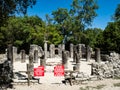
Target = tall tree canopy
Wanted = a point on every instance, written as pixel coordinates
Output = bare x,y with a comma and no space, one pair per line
10,7
72,22
109,40
117,13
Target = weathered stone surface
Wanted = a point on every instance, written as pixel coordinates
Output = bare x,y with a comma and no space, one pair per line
14,53
52,50
10,53
88,53
23,56
6,74
36,56
61,48
71,50
34,47
97,55
65,55
45,50
40,51
109,69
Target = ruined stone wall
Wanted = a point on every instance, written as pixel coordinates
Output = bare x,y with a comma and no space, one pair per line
107,69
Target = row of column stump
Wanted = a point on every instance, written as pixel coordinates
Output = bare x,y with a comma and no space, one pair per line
75,53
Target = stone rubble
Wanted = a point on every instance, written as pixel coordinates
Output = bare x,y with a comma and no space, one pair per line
109,68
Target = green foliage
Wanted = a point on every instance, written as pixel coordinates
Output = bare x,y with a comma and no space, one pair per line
110,38
84,10
21,31
72,22
60,15
53,35
10,7
117,13
91,36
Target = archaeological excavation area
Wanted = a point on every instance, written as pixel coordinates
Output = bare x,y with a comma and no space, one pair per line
56,65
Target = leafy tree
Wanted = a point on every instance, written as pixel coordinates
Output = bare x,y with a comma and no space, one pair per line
60,15
10,7
110,38
23,31
84,10
117,13
91,35
52,33
54,36
73,22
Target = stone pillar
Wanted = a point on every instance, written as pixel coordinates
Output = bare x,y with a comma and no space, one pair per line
77,58
42,61
74,53
10,57
52,50
77,66
71,50
30,67
97,55
33,47
10,53
88,53
45,50
30,58
59,50
14,53
40,51
23,56
63,46
79,47
36,56
65,59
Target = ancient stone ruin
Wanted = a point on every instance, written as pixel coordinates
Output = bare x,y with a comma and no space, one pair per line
19,67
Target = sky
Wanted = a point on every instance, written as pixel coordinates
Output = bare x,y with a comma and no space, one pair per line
105,11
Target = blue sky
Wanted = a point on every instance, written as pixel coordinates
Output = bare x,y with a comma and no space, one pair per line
105,11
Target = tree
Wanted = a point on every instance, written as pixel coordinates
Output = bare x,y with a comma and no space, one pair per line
60,15
22,31
91,35
10,7
84,10
117,13
110,38
73,22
